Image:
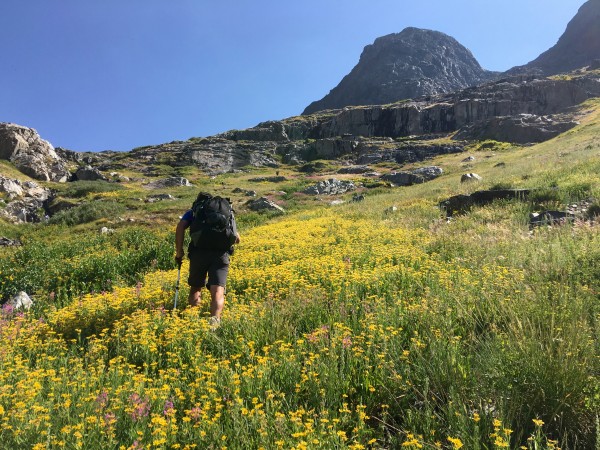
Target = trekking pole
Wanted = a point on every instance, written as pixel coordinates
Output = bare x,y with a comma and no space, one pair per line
177,284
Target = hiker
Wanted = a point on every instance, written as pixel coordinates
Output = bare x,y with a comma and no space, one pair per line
213,232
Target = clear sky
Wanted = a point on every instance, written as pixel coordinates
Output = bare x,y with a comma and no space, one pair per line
118,74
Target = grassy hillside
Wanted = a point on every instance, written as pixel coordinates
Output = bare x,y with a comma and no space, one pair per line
351,326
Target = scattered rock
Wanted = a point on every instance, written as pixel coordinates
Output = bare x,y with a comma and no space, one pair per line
337,202
264,204
20,300
500,164
169,182
468,159
158,197
273,179
460,204
358,198
106,230
354,169
390,210
331,186
250,193
415,176
550,218
5,242
467,177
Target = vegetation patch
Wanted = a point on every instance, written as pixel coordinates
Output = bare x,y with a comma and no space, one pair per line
87,212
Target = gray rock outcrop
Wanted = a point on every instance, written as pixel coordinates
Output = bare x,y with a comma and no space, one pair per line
331,186
264,204
169,182
31,154
520,129
416,176
89,173
26,201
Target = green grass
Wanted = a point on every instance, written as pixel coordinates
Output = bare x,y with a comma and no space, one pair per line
346,327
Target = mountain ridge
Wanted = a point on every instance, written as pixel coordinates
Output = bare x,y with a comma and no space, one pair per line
412,63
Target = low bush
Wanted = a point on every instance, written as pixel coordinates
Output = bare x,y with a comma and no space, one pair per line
87,212
78,189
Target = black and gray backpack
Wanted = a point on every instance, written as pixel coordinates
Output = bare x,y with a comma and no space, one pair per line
212,227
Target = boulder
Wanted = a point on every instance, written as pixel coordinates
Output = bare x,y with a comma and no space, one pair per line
467,177
31,154
331,186
20,301
354,169
272,179
169,182
416,176
551,218
6,242
459,204
264,204
89,173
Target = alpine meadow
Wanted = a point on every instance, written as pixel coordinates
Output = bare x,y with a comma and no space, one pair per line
416,274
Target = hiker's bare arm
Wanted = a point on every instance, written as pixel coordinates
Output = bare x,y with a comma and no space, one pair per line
179,236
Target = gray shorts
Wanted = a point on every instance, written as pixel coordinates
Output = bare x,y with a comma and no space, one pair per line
214,263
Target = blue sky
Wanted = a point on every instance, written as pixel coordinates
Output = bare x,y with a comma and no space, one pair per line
118,74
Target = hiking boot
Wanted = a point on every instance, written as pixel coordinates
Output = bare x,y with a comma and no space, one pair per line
214,322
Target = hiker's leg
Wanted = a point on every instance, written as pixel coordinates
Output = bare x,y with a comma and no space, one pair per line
195,296
217,300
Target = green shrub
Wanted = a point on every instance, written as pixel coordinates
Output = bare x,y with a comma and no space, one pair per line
87,212
78,189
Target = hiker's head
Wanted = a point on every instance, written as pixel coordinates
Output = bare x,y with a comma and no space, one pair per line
203,196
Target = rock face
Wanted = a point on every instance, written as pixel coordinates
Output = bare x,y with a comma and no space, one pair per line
579,45
520,129
405,65
31,154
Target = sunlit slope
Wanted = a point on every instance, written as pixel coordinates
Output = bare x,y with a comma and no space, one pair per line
345,327
337,332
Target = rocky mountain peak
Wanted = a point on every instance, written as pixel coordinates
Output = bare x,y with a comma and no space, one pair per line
579,45
409,64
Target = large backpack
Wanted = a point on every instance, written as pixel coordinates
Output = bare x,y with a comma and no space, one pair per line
212,227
